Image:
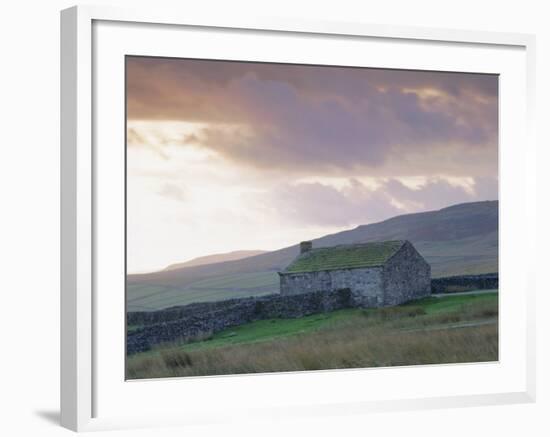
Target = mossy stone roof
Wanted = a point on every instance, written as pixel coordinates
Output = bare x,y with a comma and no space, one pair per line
350,256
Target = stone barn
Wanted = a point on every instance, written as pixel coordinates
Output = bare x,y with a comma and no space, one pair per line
378,274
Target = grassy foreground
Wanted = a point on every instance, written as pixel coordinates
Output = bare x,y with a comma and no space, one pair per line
450,329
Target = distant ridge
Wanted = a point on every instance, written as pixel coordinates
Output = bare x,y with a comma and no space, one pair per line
216,258
456,240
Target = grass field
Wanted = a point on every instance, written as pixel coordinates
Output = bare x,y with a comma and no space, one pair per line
447,329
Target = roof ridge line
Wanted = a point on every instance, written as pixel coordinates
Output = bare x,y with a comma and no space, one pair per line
358,244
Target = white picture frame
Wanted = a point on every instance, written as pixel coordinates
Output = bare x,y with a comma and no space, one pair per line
85,377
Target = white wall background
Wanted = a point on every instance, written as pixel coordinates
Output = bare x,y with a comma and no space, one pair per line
29,217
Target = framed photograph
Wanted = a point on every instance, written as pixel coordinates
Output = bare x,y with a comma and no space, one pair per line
270,218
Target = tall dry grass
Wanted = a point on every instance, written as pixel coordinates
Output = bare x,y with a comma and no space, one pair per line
347,346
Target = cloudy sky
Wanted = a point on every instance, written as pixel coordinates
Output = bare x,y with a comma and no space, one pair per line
226,156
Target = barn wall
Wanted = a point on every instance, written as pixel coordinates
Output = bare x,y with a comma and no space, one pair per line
406,276
365,284
298,283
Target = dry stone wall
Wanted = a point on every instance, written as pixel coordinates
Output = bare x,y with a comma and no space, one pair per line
453,284
192,321
188,322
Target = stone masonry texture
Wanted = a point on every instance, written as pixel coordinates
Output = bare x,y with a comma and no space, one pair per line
453,284
406,276
191,321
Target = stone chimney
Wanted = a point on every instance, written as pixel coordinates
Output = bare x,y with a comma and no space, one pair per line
305,246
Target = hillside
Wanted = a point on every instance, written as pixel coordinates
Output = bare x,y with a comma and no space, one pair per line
460,239
216,258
